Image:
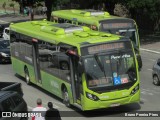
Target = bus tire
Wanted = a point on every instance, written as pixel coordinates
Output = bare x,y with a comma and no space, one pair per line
27,78
66,97
156,80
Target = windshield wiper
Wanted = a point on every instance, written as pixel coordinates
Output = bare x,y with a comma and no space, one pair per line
99,64
131,73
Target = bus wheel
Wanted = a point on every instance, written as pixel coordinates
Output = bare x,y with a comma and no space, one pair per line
66,97
27,78
156,80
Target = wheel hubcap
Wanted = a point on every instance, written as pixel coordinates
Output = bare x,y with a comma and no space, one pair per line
66,97
27,78
155,80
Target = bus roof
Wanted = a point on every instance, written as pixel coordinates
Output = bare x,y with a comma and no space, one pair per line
62,33
91,16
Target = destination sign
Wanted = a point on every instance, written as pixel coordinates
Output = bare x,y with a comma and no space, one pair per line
105,47
97,48
116,25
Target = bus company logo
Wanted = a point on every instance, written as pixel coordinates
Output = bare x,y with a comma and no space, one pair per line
23,114
6,114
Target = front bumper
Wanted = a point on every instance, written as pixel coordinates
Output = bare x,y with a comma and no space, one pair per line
91,105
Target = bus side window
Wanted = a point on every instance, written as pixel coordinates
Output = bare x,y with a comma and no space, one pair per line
60,20
87,25
93,27
74,22
47,59
51,19
68,21
79,23
55,19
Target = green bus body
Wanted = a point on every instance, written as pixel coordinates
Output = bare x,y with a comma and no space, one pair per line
71,62
102,21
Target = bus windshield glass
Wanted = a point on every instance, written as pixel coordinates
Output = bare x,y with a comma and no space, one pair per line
123,28
110,70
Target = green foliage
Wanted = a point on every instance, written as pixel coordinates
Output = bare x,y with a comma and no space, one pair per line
11,5
4,5
150,7
121,10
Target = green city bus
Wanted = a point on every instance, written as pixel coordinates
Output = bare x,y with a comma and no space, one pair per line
102,21
87,69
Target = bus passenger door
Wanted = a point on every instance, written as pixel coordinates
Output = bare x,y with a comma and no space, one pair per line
77,83
36,61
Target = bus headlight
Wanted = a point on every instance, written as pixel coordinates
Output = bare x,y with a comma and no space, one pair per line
92,97
135,90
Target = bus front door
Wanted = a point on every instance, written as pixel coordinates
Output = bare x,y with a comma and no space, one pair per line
76,83
36,61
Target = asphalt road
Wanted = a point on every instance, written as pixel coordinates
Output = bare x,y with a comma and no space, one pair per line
150,94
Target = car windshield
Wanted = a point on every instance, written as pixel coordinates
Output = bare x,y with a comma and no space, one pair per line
4,44
1,28
107,70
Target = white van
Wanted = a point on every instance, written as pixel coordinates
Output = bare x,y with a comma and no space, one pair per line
6,35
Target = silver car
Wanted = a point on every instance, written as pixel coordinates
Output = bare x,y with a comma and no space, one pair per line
156,73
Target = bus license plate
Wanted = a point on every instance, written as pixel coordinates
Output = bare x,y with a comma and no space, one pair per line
115,105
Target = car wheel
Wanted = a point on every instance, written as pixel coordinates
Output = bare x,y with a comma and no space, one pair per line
27,78
66,97
156,80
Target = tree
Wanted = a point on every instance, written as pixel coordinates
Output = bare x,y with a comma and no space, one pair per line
150,8
48,4
24,3
4,6
139,9
121,10
12,5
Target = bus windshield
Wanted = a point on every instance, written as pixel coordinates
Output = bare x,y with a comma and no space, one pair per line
118,69
123,28
130,33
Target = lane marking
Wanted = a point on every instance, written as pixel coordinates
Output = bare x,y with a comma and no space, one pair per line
152,51
152,91
29,107
151,59
142,99
157,88
3,21
150,69
146,93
